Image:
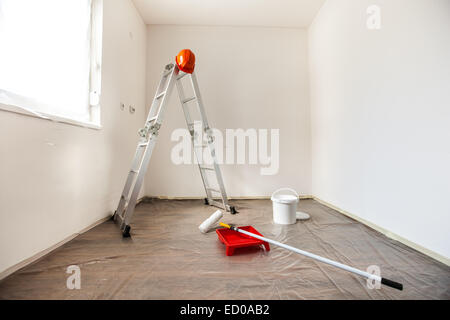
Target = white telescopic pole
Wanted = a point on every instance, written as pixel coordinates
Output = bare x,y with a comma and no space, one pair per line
384,281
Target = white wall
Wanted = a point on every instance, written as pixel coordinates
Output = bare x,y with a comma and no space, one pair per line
56,179
249,78
380,110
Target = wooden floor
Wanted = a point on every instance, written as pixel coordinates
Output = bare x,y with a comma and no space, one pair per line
168,258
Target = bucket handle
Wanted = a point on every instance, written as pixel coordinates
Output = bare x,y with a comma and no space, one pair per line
288,189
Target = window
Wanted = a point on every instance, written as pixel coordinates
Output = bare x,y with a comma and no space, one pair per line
50,59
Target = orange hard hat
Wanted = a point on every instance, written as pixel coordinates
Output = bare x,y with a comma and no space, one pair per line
186,60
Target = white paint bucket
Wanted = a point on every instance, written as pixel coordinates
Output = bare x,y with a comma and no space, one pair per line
284,206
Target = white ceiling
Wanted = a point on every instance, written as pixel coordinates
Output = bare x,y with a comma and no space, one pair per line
267,13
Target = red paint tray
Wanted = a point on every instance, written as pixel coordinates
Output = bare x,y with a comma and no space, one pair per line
233,239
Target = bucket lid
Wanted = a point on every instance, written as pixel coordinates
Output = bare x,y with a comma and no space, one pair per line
284,198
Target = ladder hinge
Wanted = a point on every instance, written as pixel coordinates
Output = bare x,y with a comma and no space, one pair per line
143,133
154,128
149,130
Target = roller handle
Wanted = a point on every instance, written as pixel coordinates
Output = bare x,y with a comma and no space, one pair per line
384,281
392,284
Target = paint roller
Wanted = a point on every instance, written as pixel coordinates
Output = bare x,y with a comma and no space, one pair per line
367,275
209,223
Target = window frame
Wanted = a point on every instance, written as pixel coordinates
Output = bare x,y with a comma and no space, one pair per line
95,75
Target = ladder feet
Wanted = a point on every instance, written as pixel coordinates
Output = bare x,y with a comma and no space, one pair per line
206,201
126,232
233,210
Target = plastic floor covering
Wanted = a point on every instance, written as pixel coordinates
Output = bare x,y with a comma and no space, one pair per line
168,258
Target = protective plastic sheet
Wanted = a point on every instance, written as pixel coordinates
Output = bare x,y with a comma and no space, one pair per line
168,258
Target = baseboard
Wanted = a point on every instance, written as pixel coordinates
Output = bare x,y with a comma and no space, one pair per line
388,233
146,198
45,252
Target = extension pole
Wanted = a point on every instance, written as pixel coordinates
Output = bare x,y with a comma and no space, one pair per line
384,281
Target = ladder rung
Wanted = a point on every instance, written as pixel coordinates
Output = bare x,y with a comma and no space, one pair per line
143,144
200,145
214,190
188,99
192,124
134,171
152,119
207,168
217,204
160,95
182,75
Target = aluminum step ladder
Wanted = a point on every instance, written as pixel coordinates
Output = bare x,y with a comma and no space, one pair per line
215,195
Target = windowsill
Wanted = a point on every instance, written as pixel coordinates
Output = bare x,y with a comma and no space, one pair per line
50,117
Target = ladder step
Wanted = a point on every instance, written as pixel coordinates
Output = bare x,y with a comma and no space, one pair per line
214,190
188,99
152,119
143,144
160,95
217,204
207,168
182,75
192,124
134,171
